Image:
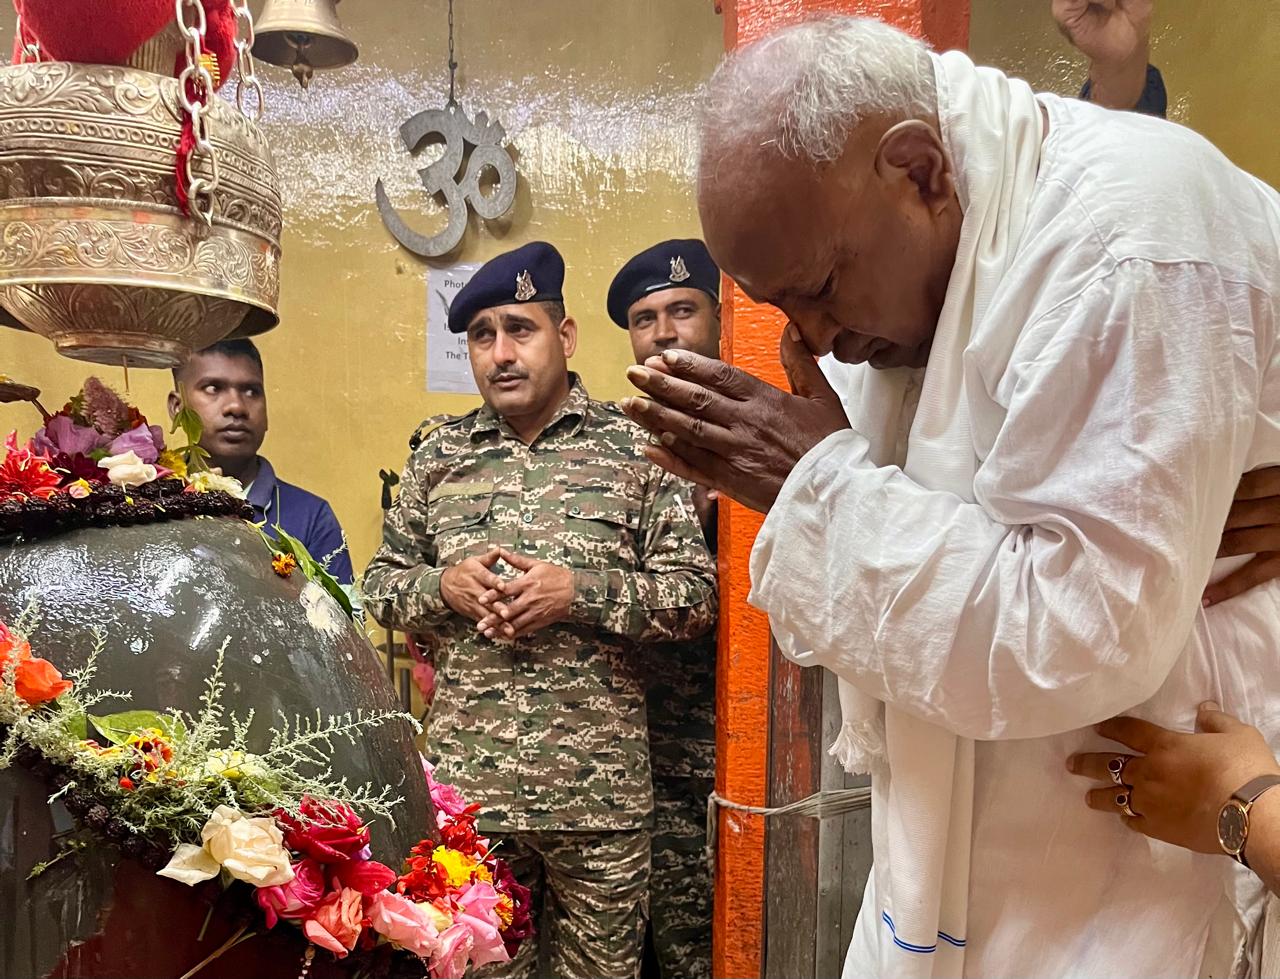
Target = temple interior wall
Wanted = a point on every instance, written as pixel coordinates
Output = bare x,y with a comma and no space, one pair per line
598,99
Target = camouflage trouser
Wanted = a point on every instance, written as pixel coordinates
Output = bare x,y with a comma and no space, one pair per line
590,902
680,888
682,753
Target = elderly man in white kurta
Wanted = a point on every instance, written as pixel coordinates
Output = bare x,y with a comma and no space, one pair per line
1055,329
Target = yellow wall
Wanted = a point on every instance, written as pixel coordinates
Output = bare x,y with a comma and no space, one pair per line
597,97
1220,59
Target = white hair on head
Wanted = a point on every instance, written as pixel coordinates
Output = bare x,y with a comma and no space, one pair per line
805,88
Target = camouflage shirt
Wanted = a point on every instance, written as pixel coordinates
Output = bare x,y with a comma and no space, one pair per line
548,731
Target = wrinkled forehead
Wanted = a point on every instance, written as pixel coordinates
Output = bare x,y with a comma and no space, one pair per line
514,314
764,230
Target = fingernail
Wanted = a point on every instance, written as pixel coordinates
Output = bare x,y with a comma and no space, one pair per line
635,404
671,356
1205,603
1071,764
792,332
668,439
1210,705
637,374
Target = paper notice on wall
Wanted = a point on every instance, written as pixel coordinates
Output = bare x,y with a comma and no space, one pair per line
448,366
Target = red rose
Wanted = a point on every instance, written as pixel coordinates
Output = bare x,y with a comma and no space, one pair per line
366,876
328,831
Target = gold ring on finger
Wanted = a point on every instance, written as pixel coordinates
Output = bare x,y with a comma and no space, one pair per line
1123,802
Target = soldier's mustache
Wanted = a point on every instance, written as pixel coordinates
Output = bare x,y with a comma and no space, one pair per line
507,374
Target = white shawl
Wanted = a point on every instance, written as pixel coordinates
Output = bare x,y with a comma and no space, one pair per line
993,130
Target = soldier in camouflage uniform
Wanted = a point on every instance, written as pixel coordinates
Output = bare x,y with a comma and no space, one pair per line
667,297
537,542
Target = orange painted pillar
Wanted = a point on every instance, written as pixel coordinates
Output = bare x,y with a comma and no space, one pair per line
750,341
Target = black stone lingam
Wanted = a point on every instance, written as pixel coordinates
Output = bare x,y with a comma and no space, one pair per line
167,595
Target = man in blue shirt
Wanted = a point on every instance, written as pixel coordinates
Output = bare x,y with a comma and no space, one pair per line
1116,38
223,384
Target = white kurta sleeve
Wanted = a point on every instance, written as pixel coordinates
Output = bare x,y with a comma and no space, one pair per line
1066,592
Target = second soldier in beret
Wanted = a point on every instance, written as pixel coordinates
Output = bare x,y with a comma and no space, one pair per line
545,553
668,298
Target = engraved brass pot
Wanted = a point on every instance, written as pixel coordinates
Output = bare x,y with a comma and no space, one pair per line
94,251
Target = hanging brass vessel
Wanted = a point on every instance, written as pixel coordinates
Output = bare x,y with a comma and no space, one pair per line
302,35
95,253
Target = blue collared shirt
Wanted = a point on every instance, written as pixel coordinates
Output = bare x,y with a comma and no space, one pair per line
302,515
1154,100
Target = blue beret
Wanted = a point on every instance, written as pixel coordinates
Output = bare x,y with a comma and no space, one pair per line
682,263
533,273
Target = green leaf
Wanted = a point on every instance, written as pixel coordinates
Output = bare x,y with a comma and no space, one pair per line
76,725
116,728
285,543
192,426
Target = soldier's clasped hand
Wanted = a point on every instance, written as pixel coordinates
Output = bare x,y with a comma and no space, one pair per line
541,596
462,585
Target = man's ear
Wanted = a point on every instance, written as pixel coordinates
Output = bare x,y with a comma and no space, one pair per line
911,155
569,336
175,404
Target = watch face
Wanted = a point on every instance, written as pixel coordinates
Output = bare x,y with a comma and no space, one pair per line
1233,825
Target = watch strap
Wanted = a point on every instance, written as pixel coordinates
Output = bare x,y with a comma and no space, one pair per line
1249,792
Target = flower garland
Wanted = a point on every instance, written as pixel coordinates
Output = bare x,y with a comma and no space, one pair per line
277,825
97,461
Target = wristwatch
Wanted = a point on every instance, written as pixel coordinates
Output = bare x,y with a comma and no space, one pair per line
1233,817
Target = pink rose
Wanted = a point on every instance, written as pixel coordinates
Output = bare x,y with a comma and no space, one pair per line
450,960
446,798
335,925
298,898
476,910
403,923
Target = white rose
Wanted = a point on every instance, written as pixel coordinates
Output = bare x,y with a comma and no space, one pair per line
127,469
190,865
251,850
212,480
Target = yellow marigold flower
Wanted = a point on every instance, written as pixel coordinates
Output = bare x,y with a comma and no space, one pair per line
284,564
482,873
506,910
457,866
173,461
110,751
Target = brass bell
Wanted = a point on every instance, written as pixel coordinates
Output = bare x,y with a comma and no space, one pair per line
302,35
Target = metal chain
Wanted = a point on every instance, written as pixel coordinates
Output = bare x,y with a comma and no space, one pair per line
453,65
245,77
196,103
30,46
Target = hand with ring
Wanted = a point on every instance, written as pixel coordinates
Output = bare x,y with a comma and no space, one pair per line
1173,789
